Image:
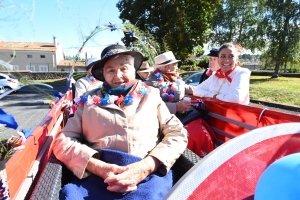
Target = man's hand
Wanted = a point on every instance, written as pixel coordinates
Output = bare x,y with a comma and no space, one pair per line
183,106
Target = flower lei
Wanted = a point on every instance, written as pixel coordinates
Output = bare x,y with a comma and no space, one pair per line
111,99
168,91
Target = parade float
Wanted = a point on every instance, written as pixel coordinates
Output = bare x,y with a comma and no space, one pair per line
245,141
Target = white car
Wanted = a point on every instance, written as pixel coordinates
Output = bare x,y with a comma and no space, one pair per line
9,82
2,90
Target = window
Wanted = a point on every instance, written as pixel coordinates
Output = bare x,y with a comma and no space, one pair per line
2,77
43,68
43,56
29,56
30,67
16,67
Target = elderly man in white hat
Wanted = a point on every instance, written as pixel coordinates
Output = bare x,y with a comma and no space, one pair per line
88,82
172,88
145,71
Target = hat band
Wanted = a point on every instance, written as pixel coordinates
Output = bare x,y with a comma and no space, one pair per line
113,52
166,62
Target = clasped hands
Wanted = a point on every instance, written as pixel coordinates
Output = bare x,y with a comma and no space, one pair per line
123,178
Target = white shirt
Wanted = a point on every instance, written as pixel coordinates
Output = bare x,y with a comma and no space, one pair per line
237,91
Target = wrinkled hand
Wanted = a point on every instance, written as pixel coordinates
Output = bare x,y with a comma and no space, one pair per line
127,181
105,170
183,106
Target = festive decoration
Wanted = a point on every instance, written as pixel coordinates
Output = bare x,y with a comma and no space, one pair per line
58,96
168,89
111,99
4,192
7,120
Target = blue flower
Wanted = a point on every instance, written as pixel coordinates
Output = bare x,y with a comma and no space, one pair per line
164,86
113,29
159,77
171,92
165,97
105,100
143,91
131,34
128,99
56,94
83,99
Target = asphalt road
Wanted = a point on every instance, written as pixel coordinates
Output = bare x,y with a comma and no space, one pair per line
28,106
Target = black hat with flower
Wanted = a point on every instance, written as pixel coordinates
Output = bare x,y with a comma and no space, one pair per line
110,52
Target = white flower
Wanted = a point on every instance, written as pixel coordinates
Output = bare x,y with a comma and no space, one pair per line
112,99
90,100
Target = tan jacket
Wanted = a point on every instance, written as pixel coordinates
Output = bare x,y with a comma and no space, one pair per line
184,89
84,84
143,128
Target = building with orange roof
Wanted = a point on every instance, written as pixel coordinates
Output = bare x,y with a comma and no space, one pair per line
37,56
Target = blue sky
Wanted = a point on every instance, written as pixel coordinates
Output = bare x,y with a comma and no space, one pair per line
70,21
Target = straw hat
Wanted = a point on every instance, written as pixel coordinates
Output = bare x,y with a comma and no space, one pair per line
165,59
145,68
110,52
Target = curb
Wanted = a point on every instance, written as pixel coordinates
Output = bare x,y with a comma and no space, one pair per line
276,105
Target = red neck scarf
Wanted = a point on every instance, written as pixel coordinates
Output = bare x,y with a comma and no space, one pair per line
221,74
209,72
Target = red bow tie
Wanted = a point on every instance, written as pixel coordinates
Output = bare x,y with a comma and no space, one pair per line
221,74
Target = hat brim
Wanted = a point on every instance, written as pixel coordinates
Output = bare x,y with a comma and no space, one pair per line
213,54
150,69
98,66
171,62
89,66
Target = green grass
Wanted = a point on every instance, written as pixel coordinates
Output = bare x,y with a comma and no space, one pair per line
282,90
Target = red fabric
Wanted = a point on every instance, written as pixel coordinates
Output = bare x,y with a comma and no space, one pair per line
209,73
221,74
120,100
200,137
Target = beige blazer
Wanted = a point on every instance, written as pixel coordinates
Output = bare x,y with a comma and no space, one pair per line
142,128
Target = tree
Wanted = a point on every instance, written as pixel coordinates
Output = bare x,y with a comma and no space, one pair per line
237,21
281,24
181,24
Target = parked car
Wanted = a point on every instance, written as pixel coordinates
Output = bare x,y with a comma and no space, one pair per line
192,78
2,90
8,81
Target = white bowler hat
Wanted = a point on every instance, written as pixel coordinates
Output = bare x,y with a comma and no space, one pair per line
165,59
90,63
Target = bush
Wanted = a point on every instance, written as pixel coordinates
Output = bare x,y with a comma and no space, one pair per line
189,68
203,63
189,62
